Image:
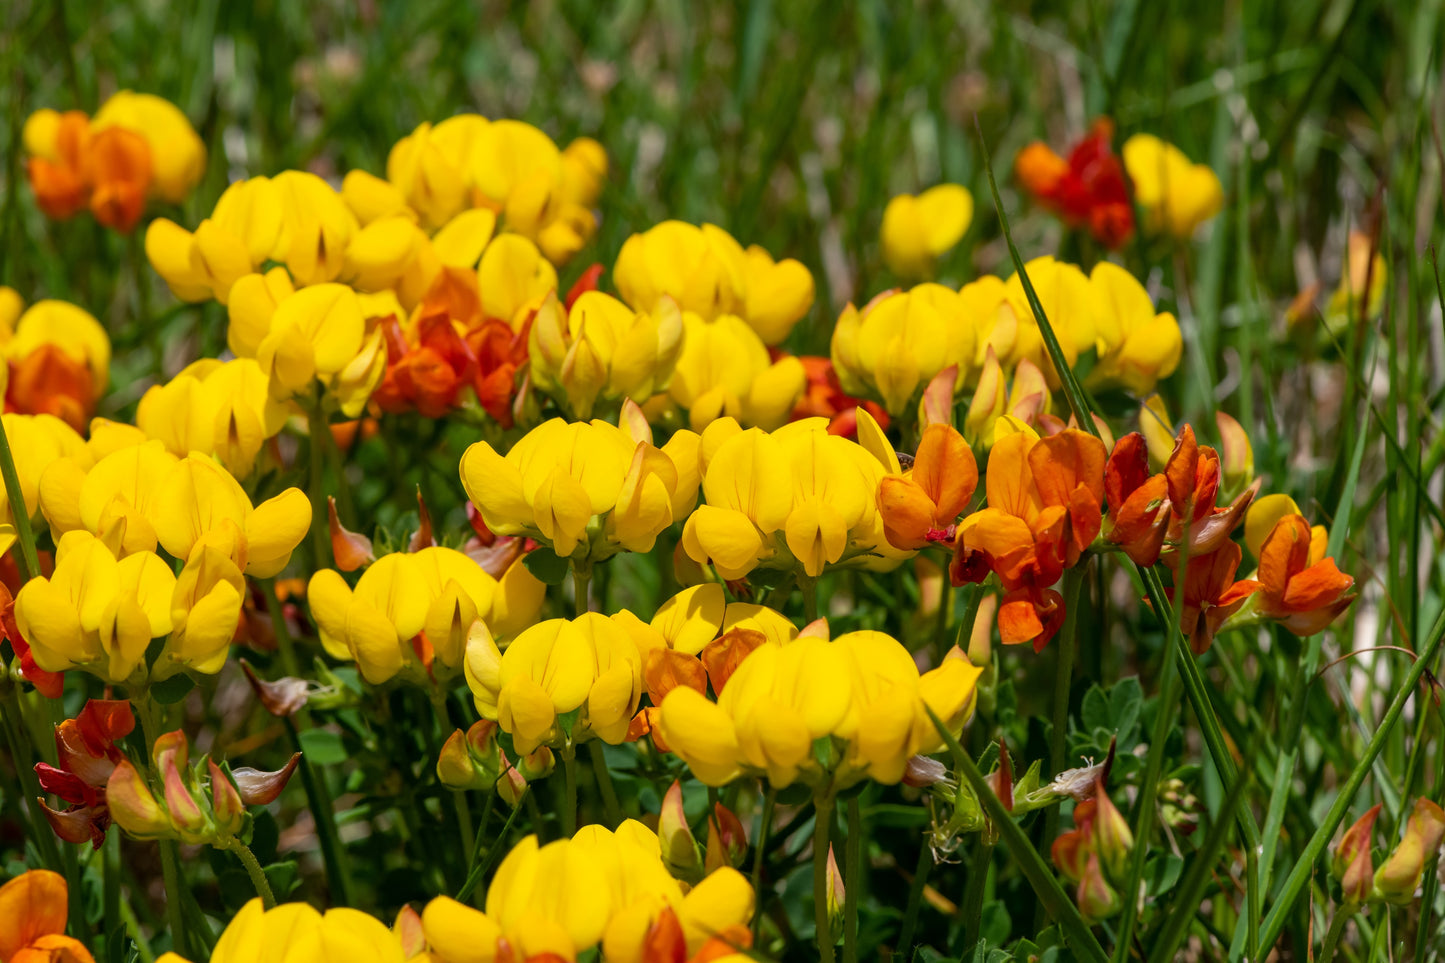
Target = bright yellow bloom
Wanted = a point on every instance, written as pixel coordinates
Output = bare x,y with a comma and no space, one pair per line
1136,347
114,499
217,408
602,350
514,279
96,612
1025,399
588,489
411,612
205,610
706,272
1071,304
587,670
899,341
36,441
917,231
430,167
296,931
177,155
725,371
1176,195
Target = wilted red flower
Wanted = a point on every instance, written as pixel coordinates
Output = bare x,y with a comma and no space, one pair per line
1088,190
87,754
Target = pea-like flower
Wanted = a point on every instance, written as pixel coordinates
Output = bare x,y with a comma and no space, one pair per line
58,358
1136,346
36,441
725,370
220,408
1087,190
1175,194
560,682
411,612
917,231
298,929
899,341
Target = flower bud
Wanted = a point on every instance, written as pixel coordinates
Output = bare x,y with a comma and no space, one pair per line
186,815
1097,899
1112,836
1352,864
350,549
455,768
1001,780
1236,455
226,803
727,839
258,788
680,851
1397,880
837,896
133,807
410,932
537,764
923,771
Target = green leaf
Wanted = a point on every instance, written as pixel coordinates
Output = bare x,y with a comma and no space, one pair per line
172,690
1162,873
322,747
547,565
284,877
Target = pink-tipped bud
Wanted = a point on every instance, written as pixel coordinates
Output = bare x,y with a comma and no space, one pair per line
132,805
727,839
187,816
410,932
260,788
1097,899
226,803
1236,455
1001,780
1353,865
1113,838
837,896
680,851
936,406
511,784
537,764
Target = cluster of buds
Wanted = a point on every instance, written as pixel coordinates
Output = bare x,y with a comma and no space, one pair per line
1398,879
1094,854
173,804
475,760
682,854
1018,795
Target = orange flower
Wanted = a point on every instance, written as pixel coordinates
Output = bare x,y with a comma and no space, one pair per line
59,184
1300,589
1211,594
824,397
1088,190
33,908
1193,478
118,168
1045,507
921,505
48,381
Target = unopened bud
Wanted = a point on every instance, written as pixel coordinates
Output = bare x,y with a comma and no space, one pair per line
132,805
1001,780
226,803
1400,876
680,851
1352,864
1236,455
727,839
455,768
260,788
1097,899
350,549
410,933
1112,836
837,896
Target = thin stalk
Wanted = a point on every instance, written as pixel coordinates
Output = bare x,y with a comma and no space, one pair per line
1299,876
760,850
610,804
28,561
323,814
459,796
1336,930
915,899
17,739
808,586
110,882
822,822
284,642
1064,673
1076,932
852,872
493,853
171,876
972,908
320,535
569,774
253,869
581,578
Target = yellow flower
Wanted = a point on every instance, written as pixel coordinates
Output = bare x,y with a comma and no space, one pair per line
413,611
725,371
217,408
96,612
584,171
748,486
205,610
177,155
559,682
899,341
112,500
1136,347
514,278
36,441
919,230
603,350
431,167
1176,195
706,272
1071,304
296,931
520,171
559,477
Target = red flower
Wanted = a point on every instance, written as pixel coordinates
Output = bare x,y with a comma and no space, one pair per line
1088,190
825,398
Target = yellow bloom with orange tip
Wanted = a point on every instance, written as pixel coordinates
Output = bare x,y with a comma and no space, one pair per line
96,612
412,612
899,341
177,155
198,498
1265,512
724,370
514,278
36,441
58,359
33,911
1026,398
602,350
588,489
298,931
220,408
1176,195
919,230
1136,347
587,670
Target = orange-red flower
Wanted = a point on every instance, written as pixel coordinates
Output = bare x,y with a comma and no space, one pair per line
922,505
1088,190
87,755
824,397
1045,507
1300,589
33,910
59,183
1211,594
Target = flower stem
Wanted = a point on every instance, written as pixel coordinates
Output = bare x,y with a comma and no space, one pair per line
1343,914
28,561
318,799
760,849
581,579
320,534
822,822
171,875
1063,679
610,805
809,587
915,900
972,908
254,870
852,870
569,778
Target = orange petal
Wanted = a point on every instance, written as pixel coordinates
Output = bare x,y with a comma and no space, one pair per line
1316,587
1063,462
667,669
1126,470
946,470
908,512
1284,554
1182,469
32,905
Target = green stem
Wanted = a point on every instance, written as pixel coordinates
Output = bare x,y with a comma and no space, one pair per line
323,814
760,849
495,851
17,739
822,822
915,899
110,882
28,561
581,579
1299,876
320,526
809,587
459,796
171,875
1337,929
253,869
972,908
569,778
852,873
284,642
610,804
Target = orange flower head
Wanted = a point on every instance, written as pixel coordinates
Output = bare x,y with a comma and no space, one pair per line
1088,190
50,381
1194,476
1211,594
1138,502
824,397
33,910
921,505
1305,597
119,171
59,182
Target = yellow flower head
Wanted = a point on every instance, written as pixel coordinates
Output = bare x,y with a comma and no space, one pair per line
587,489
1136,347
917,231
177,155
602,350
1177,196
725,371
36,441
412,612
558,682
297,931
220,408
